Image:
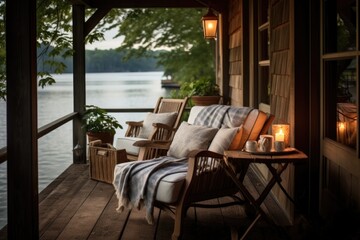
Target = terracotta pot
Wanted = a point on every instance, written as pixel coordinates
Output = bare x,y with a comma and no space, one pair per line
205,100
105,137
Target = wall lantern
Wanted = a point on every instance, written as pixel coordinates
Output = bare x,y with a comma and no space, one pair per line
210,21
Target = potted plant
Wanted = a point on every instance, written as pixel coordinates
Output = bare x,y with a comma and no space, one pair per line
203,91
99,125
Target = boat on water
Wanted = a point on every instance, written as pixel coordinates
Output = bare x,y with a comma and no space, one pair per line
169,83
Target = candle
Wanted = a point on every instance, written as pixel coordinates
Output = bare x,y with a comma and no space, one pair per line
279,136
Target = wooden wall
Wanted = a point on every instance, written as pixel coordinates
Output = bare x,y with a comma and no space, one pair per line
281,80
280,60
236,85
281,70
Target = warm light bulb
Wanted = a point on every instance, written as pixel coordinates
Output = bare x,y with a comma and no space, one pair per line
341,125
210,25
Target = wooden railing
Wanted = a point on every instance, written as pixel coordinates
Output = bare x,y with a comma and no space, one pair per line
42,131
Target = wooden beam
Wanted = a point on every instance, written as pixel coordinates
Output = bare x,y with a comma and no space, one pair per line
22,165
218,6
95,19
140,3
79,78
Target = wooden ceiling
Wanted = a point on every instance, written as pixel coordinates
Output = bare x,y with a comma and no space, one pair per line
216,4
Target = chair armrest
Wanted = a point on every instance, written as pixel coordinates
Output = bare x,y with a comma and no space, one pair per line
162,125
133,128
152,144
204,153
152,149
133,123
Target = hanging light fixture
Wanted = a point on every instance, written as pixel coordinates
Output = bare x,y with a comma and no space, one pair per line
210,21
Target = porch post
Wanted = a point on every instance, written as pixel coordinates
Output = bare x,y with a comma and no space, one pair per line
79,135
224,55
22,164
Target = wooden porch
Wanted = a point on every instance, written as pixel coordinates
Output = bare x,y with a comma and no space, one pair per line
75,207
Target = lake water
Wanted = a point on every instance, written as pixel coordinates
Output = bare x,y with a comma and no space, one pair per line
106,90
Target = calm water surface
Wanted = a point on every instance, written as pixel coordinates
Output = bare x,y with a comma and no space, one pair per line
107,90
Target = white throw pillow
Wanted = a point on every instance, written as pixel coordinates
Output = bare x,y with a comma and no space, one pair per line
222,140
190,137
164,118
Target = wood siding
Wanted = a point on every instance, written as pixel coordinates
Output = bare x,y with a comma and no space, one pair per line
281,72
281,80
236,85
280,60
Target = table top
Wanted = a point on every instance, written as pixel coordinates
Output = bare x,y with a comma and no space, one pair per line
284,157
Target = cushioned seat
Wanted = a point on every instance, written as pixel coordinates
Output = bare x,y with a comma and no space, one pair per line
127,143
170,187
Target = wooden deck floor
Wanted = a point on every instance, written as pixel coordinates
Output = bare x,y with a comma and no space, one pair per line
76,207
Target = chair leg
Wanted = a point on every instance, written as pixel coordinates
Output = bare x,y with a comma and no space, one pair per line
179,216
157,223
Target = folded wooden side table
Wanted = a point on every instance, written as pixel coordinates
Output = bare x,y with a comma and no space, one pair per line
237,163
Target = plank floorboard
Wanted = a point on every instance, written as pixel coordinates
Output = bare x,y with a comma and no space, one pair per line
82,223
76,207
51,206
57,226
111,223
137,227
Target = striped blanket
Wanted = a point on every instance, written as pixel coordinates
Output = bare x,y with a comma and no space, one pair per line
218,116
136,182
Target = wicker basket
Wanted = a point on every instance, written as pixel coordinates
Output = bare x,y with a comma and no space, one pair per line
103,158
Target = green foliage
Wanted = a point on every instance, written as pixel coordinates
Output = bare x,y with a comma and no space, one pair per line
178,30
96,119
201,87
190,56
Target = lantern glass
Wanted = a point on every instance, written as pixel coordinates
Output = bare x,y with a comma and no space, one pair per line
210,22
284,129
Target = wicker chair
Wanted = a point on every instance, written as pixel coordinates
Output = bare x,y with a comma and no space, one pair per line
159,131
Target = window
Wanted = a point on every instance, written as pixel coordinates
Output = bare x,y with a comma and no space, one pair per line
263,52
340,66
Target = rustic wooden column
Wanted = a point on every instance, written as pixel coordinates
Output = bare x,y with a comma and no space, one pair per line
79,79
22,164
224,54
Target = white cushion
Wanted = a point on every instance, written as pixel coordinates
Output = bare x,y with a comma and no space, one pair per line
127,144
190,137
164,118
222,140
169,188
194,111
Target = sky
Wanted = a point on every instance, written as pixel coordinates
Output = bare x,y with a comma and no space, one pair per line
108,43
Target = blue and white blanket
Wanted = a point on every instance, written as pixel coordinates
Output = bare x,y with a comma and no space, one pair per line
136,182
218,116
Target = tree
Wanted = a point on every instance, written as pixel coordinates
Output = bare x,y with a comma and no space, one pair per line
179,31
190,56
54,38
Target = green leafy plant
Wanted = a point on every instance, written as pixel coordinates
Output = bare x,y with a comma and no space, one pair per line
96,119
200,87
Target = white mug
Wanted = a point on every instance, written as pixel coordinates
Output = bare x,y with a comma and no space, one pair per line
251,146
266,143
